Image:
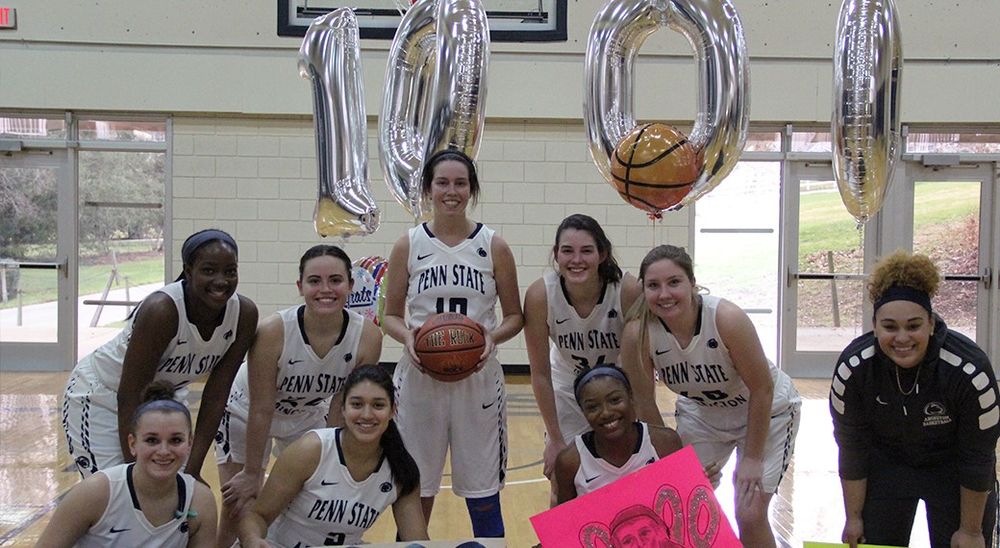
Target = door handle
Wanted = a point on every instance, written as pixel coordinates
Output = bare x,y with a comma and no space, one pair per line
62,266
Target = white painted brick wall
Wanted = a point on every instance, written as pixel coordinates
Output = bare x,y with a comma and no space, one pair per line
256,178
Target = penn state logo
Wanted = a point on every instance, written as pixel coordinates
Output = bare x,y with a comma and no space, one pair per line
612,313
935,414
348,356
385,487
184,527
228,335
712,343
934,408
482,252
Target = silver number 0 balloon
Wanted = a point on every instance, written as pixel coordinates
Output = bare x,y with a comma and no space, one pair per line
868,63
715,32
435,91
330,57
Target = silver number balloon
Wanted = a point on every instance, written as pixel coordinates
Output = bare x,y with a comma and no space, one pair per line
868,62
408,79
330,57
435,96
715,32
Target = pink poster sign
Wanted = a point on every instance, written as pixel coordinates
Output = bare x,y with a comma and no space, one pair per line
671,497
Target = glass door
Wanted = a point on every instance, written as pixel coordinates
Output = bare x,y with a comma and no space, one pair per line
38,238
823,262
948,213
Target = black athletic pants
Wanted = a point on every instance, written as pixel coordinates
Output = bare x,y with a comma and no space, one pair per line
891,504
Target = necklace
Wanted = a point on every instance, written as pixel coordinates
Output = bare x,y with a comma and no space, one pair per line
914,388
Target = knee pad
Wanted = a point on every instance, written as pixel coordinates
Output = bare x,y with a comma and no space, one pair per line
487,521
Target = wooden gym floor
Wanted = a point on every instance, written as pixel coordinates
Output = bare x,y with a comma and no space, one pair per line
35,471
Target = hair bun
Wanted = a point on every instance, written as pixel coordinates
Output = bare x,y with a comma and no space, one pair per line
158,390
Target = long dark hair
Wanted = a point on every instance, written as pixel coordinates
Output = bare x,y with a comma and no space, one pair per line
608,270
323,250
159,396
404,469
449,155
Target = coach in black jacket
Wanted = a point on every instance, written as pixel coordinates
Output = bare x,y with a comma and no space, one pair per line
915,414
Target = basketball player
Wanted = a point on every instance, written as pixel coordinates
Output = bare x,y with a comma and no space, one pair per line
149,502
705,349
194,328
454,264
331,485
580,308
617,444
299,361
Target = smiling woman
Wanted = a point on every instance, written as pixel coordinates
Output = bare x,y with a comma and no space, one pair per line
292,380
617,445
145,503
706,350
330,486
193,328
915,416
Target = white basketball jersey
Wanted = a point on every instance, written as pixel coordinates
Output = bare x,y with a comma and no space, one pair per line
332,509
451,279
187,358
595,472
124,525
305,381
578,344
703,372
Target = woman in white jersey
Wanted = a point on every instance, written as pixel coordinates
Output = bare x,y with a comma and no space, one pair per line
298,363
149,502
617,443
454,264
194,328
581,309
706,350
330,486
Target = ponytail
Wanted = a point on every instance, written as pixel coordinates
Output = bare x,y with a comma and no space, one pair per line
640,311
405,472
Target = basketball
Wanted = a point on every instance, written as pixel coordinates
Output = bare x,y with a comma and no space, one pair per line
449,346
654,167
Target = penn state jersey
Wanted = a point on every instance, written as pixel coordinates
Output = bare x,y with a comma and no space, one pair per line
451,279
332,509
305,381
578,344
187,357
595,472
124,525
703,372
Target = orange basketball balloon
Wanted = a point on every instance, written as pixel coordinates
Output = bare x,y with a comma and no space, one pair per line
654,167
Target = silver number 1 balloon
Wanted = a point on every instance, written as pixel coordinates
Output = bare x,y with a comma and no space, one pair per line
330,57
868,63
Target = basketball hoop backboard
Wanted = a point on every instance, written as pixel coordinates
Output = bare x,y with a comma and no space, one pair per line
510,20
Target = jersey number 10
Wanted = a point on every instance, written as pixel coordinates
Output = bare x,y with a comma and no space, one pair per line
455,304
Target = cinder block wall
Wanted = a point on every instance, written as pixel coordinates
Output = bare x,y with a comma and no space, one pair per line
256,178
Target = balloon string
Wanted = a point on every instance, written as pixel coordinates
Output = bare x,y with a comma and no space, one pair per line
860,268
653,218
